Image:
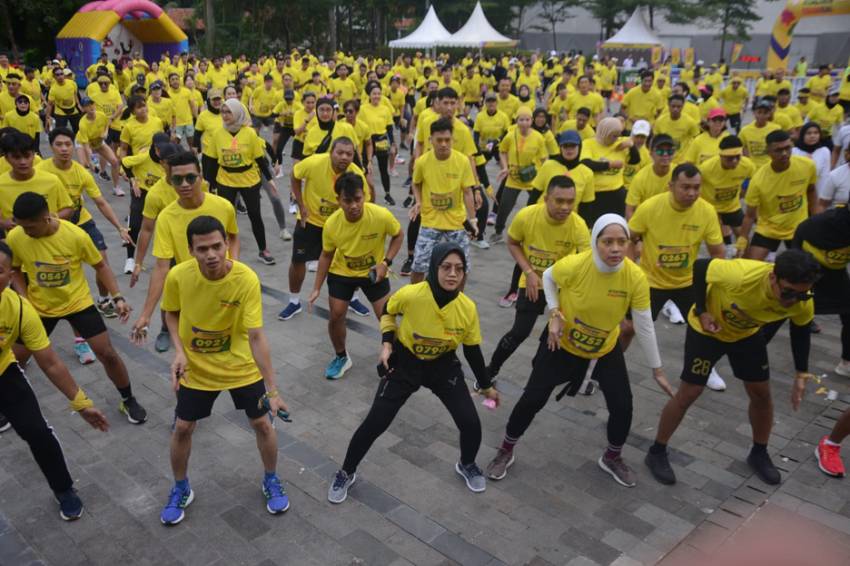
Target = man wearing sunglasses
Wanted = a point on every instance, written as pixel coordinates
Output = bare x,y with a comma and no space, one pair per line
651,181
679,126
734,299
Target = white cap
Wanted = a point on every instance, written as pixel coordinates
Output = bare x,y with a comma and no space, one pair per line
700,62
68,72
553,53
641,128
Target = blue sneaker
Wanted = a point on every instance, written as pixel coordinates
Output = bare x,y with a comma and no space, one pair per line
178,500
338,366
276,499
70,505
355,306
291,310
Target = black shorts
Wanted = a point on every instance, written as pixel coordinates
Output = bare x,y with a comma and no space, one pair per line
297,149
306,243
683,299
770,243
606,94
259,121
87,322
343,288
113,137
280,129
748,357
94,233
733,219
524,304
196,404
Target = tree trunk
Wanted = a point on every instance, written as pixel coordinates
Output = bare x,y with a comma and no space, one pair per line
554,38
725,31
10,33
651,17
350,29
209,27
332,43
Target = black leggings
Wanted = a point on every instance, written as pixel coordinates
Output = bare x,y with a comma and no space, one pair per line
449,386
284,134
413,234
482,213
19,404
251,198
735,122
209,166
383,167
507,201
137,205
526,315
72,121
605,202
552,369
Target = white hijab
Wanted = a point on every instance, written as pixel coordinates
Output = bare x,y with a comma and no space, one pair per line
240,115
601,223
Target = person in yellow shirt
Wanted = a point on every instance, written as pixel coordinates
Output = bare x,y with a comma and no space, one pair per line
421,352
353,258
313,188
538,236
829,116
789,111
733,98
162,107
780,195
606,155
263,99
507,102
820,84
585,97
733,301
557,107
755,133
707,144
62,98
642,102
380,121
18,402
471,86
23,119
682,129
31,86
91,138
804,104
655,179
490,126
587,295
107,100
139,127
51,252
209,120
185,109
326,128
284,124
214,312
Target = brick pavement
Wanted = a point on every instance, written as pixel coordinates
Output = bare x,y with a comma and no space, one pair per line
409,506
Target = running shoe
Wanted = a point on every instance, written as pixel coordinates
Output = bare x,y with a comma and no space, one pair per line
715,382
266,258
406,267
408,202
163,341
407,182
104,175
660,467
358,308
496,238
312,266
291,310
672,312
178,500
84,353
285,235
473,476
481,244
399,160
107,308
70,505
240,208
389,199
497,469
843,368
118,192
129,266
814,327
338,366
619,470
276,499
508,300
4,423
491,219
762,465
829,458
135,413
338,490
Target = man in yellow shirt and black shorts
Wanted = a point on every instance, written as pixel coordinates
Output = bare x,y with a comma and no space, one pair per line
353,258
215,317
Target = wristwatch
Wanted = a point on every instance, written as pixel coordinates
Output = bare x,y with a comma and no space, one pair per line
388,261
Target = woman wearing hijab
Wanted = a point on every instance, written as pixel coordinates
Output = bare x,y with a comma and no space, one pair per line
540,122
587,295
240,160
421,352
23,119
606,155
206,124
810,143
326,129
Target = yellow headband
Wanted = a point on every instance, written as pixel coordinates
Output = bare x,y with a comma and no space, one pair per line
732,152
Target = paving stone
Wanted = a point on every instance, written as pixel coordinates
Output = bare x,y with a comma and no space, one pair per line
368,548
461,551
244,522
415,523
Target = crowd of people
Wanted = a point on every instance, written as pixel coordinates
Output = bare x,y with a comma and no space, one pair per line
621,194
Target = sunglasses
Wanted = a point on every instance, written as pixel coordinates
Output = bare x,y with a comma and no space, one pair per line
788,294
661,151
178,180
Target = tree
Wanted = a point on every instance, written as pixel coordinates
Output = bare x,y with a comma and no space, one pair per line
735,18
553,12
611,14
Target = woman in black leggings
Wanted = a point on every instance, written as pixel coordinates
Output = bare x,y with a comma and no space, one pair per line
379,115
420,352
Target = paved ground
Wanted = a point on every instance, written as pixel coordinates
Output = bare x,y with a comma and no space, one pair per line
409,506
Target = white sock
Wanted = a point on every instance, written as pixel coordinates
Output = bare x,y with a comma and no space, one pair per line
294,299
828,442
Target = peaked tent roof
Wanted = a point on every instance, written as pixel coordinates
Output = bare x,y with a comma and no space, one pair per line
429,33
635,33
477,32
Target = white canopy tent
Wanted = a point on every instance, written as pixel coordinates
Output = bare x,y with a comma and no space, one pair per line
477,32
430,33
635,34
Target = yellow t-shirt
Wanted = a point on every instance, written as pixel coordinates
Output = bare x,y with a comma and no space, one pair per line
741,301
285,112
471,89
207,123
732,99
819,87
46,184
170,232
646,185
672,238
427,330
56,284
358,245
543,240
92,132
18,321
593,303
145,170
522,152
263,101
461,136
236,155
215,317
581,176
722,187
682,131
64,98
826,118
138,135
160,195
78,181
629,171
343,89
642,105
593,101
781,198
442,183
30,123
378,118
612,179
508,105
585,133
755,143
316,135
704,147
164,109
792,113
182,109
318,190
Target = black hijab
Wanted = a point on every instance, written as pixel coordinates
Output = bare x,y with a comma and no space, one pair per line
803,145
569,163
538,112
29,105
329,125
441,250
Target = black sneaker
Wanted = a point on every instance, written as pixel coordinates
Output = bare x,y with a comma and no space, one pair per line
389,199
660,467
104,175
762,465
70,505
407,202
4,423
407,267
135,413
240,208
267,258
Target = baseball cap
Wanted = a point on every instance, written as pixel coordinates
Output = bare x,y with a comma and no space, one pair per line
716,113
85,101
490,96
661,139
68,72
155,85
641,128
569,137
764,104
289,94
214,93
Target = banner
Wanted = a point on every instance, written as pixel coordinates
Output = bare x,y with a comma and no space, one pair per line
675,55
689,57
656,55
737,48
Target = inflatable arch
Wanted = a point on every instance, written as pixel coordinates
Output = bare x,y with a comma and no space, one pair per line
794,11
121,27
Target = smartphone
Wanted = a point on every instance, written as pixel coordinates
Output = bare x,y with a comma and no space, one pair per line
282,415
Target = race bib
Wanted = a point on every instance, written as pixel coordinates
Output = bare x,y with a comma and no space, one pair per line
231,158
150,180
540,260
327,207
673,257
429,348
360,263
209,341
737,318
441,201
790,203
52,274
725,193
586,338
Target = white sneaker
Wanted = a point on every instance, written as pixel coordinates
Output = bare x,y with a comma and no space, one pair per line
118,191
129,266
312,265
673,313
843,368
715,382
481,244
292,208
285,235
